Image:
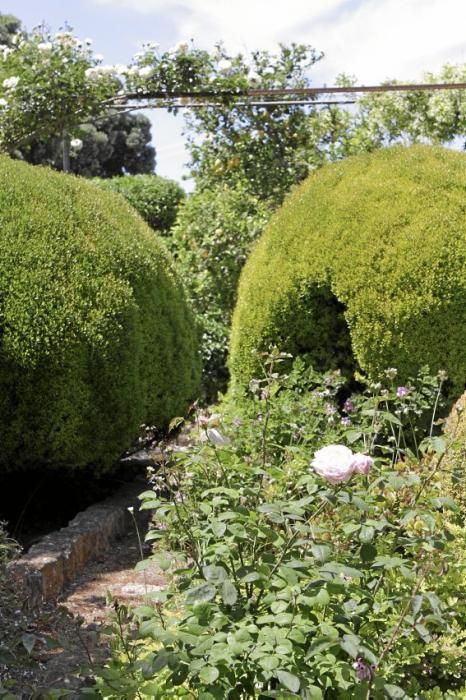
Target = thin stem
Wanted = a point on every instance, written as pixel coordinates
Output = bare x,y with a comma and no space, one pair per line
290,542
422,574
141,551
66,152
437,398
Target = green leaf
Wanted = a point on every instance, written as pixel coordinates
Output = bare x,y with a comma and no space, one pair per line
279,606
394,691
338,569
423,632
283,619
439,445
352,436
270,663
297,636
229,593
321,552
367,534
175,423
28,641
289,680
416,603
180,674
216,574
202,593
218,528
160,661
350,644
251,577
367,552
388,562
209,674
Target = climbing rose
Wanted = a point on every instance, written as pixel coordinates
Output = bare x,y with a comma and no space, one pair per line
10,83
334,463
362,464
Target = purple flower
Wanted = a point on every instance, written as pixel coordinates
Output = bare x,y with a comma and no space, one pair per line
364,671
346,421
401,391
348,406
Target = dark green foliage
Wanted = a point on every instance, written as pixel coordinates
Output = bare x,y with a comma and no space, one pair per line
155,198
213,235
385,236
9,26
114,145
96,336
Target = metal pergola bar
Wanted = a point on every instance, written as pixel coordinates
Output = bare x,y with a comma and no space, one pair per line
280,92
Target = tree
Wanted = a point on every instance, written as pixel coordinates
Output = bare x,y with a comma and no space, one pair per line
9,26
51,85
266,146
116,144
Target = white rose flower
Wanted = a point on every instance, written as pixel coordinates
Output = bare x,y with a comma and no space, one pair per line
3,102
224,65
98,57
334,463
254,77
134,70
362,464
10,83
6,52
146,71
91,73
88,41
106,70
182,47
45,46
76,144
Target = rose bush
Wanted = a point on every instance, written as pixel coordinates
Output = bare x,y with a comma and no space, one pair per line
286,586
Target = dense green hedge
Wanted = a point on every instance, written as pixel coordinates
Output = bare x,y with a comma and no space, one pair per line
96,337
156,199
210,242
365,264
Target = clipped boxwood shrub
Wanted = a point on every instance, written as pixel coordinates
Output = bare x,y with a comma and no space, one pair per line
365,264
96,336
155,198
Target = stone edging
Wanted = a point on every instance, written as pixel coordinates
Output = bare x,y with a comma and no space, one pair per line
60,556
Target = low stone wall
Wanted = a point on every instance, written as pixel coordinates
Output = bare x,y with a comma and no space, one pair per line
60,556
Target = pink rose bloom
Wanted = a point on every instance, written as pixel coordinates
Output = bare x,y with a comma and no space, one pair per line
334,463
362,464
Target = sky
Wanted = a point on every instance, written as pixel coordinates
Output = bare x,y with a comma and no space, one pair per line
373,40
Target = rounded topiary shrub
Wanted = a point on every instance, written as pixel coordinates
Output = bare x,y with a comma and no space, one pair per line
155,198
96,337
365,264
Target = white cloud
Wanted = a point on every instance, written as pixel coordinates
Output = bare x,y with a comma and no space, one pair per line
392,38
240,24
373,39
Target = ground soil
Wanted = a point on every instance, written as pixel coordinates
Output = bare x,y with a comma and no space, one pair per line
69,634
